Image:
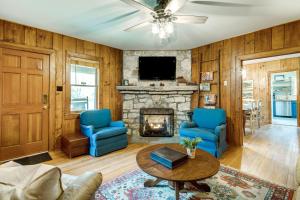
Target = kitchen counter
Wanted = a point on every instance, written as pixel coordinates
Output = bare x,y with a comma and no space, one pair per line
285,108
285,100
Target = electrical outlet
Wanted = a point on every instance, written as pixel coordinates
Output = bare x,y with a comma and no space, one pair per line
59,88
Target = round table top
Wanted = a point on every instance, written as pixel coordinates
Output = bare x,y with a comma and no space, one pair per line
201,167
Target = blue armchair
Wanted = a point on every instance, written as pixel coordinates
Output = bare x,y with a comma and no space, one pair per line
210,125
104,134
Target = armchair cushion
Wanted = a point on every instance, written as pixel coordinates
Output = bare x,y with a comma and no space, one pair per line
205,134
188,125
117,124
209,118
108,132
96,118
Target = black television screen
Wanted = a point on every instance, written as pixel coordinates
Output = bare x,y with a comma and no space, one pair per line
157,68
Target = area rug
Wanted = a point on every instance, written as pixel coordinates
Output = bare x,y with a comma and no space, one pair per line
226,184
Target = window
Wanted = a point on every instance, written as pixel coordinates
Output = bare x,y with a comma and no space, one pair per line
84,87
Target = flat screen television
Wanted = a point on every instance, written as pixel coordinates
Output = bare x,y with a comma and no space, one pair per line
157,68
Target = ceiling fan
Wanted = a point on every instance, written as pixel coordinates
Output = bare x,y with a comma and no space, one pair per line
163,14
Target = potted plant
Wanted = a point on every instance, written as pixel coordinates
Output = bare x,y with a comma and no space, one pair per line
190,145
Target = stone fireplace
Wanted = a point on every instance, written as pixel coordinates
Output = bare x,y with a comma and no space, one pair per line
138,99
139,96
156,122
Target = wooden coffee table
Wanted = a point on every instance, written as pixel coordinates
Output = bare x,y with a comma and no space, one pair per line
193,170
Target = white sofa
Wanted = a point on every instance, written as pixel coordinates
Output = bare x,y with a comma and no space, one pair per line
45,182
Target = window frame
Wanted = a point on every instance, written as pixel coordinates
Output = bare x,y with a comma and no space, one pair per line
84,60
95,85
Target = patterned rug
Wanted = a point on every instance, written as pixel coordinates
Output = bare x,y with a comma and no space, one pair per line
227,184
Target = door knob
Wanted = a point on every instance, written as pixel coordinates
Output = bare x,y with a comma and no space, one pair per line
45,107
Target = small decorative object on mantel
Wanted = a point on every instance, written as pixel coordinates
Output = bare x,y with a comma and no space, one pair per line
190,145
161,84
210,99
125,82
207,76
152,84
181,80
205,87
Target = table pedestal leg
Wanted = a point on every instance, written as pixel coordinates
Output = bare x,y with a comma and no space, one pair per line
152,183
177,186
203,187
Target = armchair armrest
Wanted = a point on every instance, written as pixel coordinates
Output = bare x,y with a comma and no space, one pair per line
188,125
220,129
117,124
87,130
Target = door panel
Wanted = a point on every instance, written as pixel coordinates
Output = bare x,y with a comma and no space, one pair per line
11,88
9,60
35,89
34,127
24,78
34,63
10,130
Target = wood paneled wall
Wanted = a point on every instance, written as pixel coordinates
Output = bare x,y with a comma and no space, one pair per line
260,74
110,70
272,39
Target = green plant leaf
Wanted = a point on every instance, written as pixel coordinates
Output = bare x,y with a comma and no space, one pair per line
190,143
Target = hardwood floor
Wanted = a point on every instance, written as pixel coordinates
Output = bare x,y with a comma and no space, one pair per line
271,154
111,165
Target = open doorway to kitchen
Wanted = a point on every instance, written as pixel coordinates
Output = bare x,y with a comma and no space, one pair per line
284,98
270,92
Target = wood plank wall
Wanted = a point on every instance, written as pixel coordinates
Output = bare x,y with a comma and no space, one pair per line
260,74
278,37
110,69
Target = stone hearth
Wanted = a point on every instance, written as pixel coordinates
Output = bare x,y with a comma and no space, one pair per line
135,98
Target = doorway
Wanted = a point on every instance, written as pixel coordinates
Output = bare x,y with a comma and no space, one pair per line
24,113
270,92
284,98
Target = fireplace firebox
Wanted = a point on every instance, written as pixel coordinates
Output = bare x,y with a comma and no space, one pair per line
156,122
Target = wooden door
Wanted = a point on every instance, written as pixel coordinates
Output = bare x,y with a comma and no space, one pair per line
24,91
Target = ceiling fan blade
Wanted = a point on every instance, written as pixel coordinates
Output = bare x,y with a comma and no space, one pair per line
121,17
219,3
190,19
137,26
138,5
174,5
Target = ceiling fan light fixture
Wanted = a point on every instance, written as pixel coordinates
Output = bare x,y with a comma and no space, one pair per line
162,34
155,27
169,27
164,16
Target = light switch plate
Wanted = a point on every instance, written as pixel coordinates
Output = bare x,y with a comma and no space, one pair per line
225,83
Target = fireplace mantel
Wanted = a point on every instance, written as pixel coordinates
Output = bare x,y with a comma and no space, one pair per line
185,89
